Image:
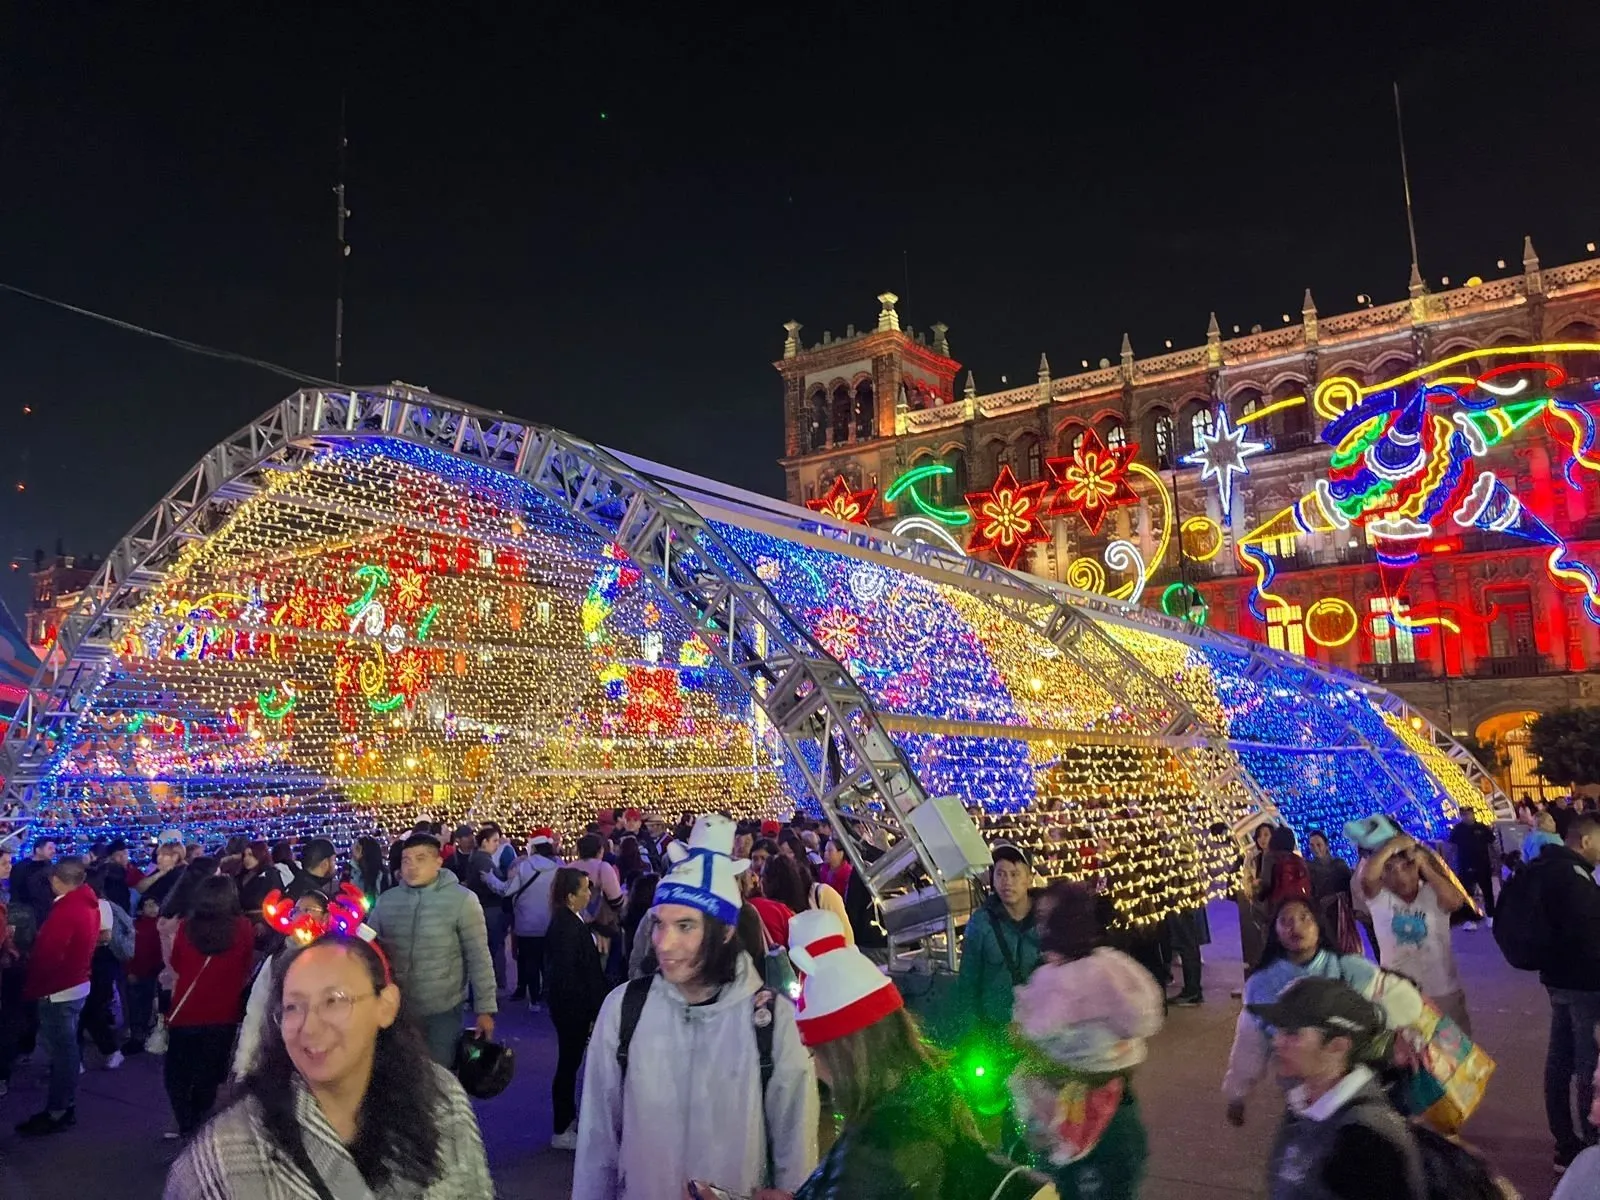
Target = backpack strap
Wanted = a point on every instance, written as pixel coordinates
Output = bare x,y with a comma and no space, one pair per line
638,991
764,1019
537,872
1006,952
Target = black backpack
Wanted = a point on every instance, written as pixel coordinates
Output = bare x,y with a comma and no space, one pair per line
1522,927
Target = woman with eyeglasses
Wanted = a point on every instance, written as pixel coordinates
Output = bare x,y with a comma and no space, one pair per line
345,1100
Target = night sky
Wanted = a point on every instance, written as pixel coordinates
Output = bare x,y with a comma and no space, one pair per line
600,220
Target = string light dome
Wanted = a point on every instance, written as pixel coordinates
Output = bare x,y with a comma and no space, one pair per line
375,605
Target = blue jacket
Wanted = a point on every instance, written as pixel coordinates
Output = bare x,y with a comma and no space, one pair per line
986,981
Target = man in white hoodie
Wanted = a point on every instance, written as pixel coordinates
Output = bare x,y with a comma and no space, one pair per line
720,1086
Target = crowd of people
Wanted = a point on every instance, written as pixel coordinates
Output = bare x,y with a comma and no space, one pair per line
739,967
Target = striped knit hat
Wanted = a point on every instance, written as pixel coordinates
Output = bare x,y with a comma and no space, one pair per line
843,991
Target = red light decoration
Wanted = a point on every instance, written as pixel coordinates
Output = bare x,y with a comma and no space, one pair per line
843,503
1007,517
1093,481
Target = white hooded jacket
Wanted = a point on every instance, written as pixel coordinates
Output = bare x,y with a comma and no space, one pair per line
691,1105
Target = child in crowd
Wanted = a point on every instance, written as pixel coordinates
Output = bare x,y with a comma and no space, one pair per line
142,971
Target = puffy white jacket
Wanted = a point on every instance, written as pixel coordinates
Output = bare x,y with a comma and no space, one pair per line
529,880
691,1104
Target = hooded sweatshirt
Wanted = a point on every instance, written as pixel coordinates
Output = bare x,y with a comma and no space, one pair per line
691,1106
529,882
437,941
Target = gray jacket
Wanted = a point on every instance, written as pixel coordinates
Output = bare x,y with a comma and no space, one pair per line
529,880
436,942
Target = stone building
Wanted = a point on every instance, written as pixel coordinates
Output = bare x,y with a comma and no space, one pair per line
1481,633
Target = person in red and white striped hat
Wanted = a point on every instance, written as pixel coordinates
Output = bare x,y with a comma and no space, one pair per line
907,1128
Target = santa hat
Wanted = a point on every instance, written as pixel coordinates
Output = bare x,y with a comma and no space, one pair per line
543,834
843,991
704,873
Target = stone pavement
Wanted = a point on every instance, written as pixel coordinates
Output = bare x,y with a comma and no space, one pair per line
116,1151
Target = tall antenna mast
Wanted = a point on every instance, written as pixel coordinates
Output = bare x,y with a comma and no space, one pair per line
1405,179
344,253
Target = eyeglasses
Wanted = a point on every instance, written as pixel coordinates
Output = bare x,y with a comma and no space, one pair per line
332,1009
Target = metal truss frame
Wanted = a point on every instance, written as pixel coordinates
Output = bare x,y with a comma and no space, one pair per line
852,766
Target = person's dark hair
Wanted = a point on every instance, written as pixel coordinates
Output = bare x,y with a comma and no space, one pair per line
1282,839
422,839
1317,833
751,936
70,871
568,882
95,878
263,856
213,923
397,1130
488,830
589,845
781,882
684,827
1273,950
641,894
1580,826
767,844
317,851
367,853
630,859
283,852
1071,925
790,839
180,900
235,845
100,849
1562,817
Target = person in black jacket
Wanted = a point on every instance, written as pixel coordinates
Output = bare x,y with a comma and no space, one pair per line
1570,900
576,981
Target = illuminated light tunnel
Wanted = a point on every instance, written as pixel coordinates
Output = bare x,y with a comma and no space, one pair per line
370,606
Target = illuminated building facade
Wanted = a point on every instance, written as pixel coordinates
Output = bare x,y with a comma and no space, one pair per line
57,585
1409,491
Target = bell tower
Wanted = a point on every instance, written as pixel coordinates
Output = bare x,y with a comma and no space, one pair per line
846,398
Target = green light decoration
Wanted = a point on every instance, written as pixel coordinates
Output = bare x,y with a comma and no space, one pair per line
389,705
1497,424
1182,600
907,484
981,1069
376,578
427,622
274,709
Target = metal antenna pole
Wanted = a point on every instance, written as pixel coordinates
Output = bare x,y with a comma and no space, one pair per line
1405,179
344,252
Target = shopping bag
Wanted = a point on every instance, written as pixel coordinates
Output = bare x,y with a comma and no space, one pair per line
1450,1072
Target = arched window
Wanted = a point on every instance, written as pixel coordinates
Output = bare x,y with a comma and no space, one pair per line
1116,437
1386,370
1165,440
1078,439
841,415
1246,402
1032,461
866,412
1200,425
819,419
1293,423
953,487
996,455
1580,364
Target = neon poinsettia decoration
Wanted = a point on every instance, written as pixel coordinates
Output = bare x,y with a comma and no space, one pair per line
1007,517
842,503
1093,481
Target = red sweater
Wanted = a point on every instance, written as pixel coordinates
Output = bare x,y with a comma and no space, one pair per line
65,945
146,961
217,997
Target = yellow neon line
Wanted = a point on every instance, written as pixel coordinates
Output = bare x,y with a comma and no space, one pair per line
1486,352
1126,590
1577,432
1275,406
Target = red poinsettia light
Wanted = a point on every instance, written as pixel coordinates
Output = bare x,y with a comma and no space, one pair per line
1007,517
1093,481
844,504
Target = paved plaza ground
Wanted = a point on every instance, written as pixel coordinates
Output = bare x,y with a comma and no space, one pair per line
116,1151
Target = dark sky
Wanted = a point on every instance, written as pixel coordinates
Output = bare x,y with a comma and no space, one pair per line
600,220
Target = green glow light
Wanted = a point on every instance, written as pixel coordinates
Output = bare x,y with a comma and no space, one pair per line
376,577
907,483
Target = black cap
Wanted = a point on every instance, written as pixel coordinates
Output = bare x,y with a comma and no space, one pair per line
1330,1005
117,846
1006,852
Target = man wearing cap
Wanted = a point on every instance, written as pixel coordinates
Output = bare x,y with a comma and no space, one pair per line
530,911
1340,1139
1000,948
680,1095
632,825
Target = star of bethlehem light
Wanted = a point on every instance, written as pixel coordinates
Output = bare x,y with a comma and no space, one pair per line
1222,453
